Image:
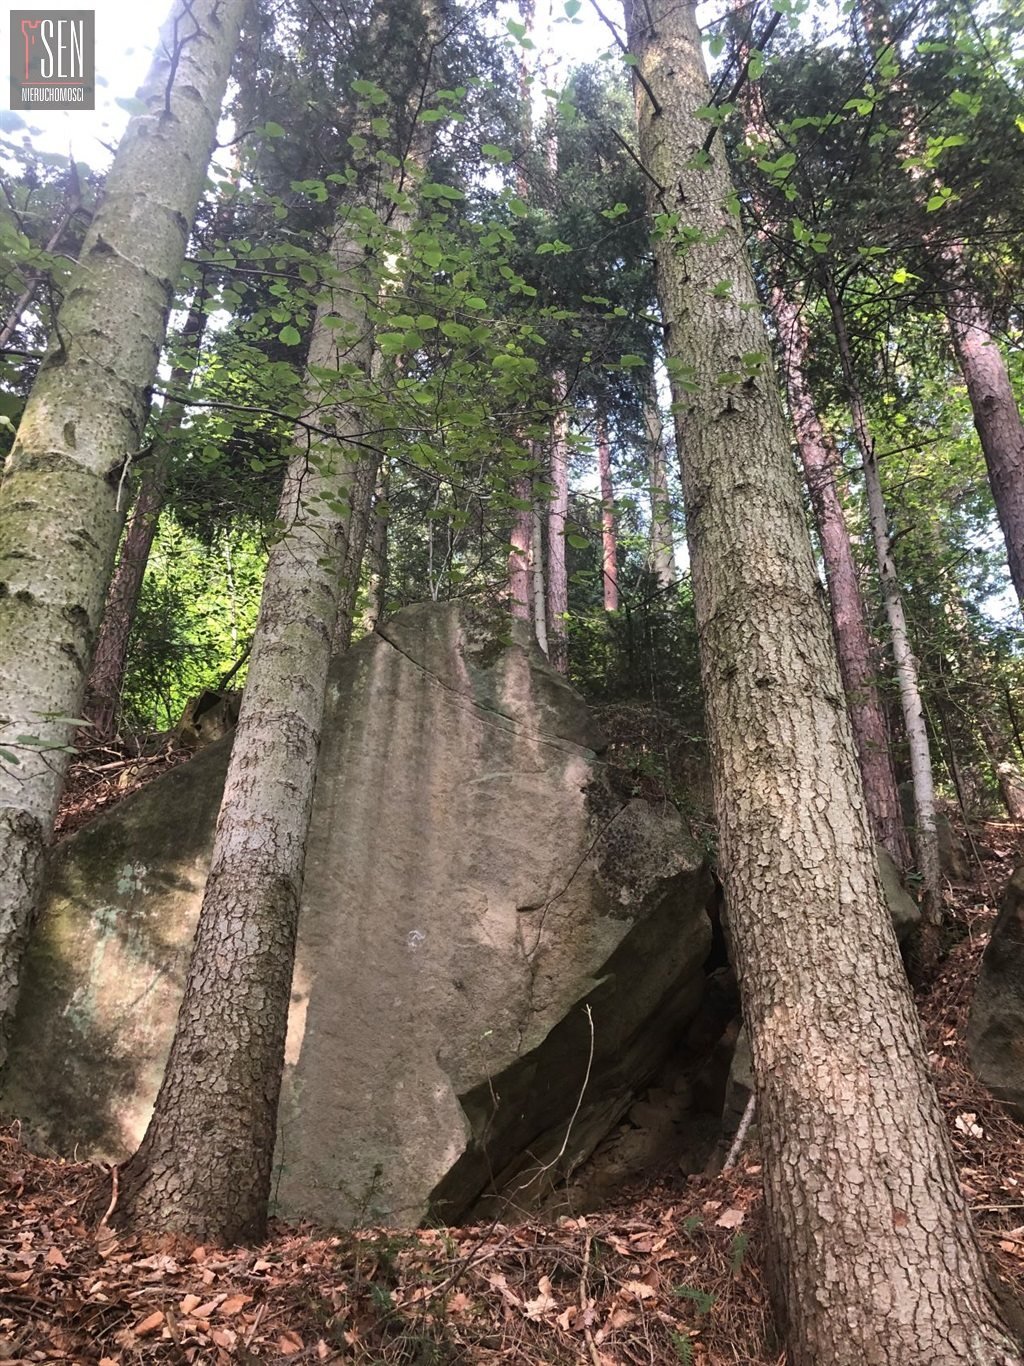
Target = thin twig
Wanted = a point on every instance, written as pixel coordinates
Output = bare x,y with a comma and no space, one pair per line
572,1118
625,50
741,1133
113,1196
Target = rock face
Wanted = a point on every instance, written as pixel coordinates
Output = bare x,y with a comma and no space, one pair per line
496,952
107,964
905,912
995,1033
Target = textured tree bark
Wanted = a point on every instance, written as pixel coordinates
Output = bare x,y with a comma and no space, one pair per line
853,643
103,690
558,512
926,840
876,1261
662,558
609,545
540,616
520,540
996,419
59,521
377,555
361,498
204,1165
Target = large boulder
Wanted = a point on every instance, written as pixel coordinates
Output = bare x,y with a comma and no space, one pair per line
497,947
995,1031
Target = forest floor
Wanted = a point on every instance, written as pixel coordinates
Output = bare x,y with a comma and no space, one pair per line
674,1272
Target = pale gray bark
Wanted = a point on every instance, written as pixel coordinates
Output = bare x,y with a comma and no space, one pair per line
662,557
926,840
558,512
520,539
59,518
203,1167
875,1257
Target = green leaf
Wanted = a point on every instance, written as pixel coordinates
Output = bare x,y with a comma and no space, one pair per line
630,362
134,106
291,336
489,149
577,541
516,29
518,208
273,130
755,70
572,8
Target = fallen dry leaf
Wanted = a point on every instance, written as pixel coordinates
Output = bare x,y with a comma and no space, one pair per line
730,1218
544,1302
150,1323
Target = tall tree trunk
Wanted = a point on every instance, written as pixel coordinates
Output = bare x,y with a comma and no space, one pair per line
558,512
820,462
59,521
103,690
996,416
662,558
520,540
609,544
875,1257
853,643
377,553
360,499
1005,767
540,619
204,1165
926,841
994,407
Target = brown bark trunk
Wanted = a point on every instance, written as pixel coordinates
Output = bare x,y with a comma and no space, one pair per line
609,546
540,615
662,556
103,690
876,1261
558,512
926,841
996,419
853,644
